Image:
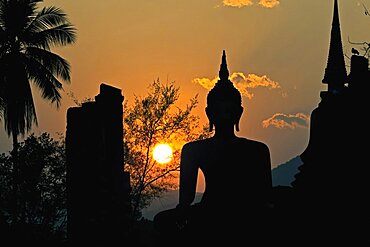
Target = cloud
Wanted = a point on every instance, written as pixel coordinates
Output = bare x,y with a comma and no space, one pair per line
205,82
291,121
269,3
237,3
242,82
244,3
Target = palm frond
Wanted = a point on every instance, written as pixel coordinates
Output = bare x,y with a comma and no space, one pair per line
15,15
3,9
48,17
44,80
57,36
52,62
2,35
19,110
19,116
3,45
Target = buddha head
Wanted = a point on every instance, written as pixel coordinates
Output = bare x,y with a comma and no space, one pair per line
224,101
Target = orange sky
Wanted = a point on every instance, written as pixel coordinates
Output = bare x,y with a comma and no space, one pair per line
276,52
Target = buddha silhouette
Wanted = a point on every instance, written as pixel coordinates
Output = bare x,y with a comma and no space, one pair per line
237,171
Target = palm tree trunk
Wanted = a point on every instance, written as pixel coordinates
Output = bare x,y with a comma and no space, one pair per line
16,177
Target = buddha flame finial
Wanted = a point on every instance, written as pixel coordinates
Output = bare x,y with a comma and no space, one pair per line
224,72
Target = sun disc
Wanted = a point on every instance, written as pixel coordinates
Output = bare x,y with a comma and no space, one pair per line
162,153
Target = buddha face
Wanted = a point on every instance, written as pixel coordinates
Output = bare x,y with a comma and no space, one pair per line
224,114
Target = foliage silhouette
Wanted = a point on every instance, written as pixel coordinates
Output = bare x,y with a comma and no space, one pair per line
364,46
42,189
152,119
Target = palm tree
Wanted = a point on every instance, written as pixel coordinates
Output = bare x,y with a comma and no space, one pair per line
26,38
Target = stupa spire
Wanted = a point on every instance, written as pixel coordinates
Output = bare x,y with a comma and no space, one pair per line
335,72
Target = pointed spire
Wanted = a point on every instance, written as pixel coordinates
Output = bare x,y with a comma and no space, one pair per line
224,72
335,72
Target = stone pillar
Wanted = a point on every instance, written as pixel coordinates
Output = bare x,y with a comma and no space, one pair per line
98,186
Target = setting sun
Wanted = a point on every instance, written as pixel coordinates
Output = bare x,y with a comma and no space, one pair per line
162,153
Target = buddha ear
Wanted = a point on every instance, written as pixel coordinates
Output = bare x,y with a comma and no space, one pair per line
241,111
237,120
211,126
210,118
237,126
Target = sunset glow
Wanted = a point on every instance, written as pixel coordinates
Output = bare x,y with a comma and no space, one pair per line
276,53
162,153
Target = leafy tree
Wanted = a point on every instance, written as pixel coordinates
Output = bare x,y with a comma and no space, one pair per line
42,194
151,120
365,46
26,38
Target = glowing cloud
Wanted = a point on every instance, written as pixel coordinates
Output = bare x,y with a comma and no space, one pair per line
205,82
269,3
242,82
244,3
291,121
237,3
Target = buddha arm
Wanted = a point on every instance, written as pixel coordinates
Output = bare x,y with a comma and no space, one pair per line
266,164
188,177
